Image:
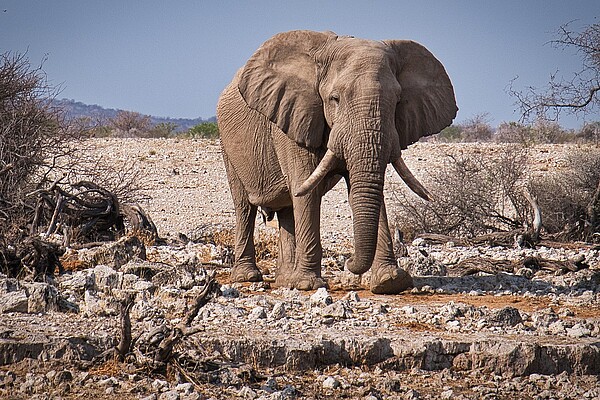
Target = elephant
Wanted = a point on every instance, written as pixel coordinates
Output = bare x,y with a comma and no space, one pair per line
308,109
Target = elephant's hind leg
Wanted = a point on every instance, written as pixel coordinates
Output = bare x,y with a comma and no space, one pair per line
386,276
244,267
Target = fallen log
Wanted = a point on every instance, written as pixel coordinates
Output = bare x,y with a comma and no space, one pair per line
474,265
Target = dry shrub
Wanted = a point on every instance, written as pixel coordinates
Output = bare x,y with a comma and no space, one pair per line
224,237
474,194
39,152
32,139
569,198
265,243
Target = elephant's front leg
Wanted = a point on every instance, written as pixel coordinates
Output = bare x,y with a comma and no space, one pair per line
386,276
244,267
300,244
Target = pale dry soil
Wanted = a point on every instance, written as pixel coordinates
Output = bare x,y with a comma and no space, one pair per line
433,331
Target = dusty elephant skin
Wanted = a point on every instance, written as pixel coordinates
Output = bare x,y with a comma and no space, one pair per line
309,108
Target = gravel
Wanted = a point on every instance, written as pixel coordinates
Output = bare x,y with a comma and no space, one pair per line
529,334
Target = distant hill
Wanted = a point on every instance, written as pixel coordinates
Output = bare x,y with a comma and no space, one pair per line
77,109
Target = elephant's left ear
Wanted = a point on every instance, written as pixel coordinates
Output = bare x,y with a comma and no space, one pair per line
280,82
427,103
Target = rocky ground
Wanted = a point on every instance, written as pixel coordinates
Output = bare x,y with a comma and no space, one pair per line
525,333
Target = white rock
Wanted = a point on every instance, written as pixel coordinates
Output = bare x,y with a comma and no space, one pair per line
14,302
578,331
185,388
331,383
258,312
278,311
169,395
339,309
228,291
247,393
321,297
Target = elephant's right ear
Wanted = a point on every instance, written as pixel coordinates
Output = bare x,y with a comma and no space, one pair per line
280,82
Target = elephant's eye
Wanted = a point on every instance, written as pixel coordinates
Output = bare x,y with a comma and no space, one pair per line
335,98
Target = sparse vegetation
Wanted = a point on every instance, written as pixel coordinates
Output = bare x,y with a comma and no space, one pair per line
478,194
205,130
40,152
129,123
33,139
474,194
570,198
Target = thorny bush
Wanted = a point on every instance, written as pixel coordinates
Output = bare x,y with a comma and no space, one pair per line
477,193
474,194
40,148
32,138
570,198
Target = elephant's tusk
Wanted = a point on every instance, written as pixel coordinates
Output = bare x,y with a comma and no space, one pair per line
410,179
318,174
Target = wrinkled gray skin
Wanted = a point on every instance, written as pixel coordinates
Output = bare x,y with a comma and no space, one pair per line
301,94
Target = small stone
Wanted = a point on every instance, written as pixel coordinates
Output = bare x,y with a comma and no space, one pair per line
450,311
185,388
110,382
507,316
447,394
557,328
453,325
229,291
578,331
331,383
289,392
169,395
566,312
247,393
159,384
419,242
321,297
258,312
408,310
339,309
525,272
353,297
412,395
426,289
380,309
270,385
278,311
543,318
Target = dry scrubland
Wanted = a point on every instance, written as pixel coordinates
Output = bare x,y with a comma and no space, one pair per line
523,333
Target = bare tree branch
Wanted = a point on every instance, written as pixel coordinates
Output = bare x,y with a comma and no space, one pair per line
576,95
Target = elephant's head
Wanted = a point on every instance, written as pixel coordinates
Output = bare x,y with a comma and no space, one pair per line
364,100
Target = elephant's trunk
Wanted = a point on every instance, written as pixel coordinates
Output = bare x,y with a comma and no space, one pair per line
366,166
366,195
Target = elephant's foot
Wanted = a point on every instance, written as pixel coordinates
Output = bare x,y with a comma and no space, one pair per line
389,279
245,273
300,281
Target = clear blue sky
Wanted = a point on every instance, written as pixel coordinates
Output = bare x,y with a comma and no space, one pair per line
173,58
